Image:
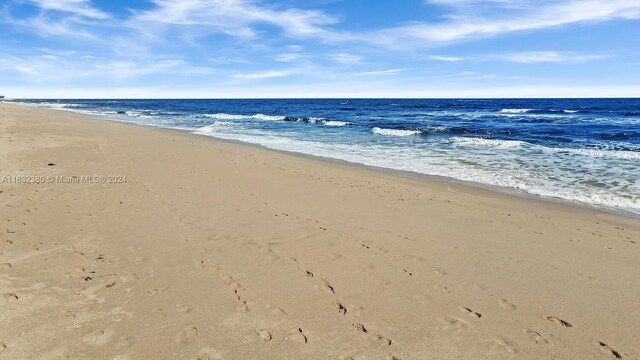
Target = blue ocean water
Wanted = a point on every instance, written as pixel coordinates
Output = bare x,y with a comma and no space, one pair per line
580,150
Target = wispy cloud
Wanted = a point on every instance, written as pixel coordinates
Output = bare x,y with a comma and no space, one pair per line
346,58
235,17
380,72
444,58
551,57
261,75
287,57
527,57
60,67
295,48
62,18
468,20
82,8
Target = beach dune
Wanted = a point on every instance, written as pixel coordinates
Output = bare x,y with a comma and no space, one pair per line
120,241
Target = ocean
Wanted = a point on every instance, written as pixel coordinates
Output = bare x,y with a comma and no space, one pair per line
585,151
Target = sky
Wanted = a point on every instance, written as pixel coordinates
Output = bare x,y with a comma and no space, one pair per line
321,48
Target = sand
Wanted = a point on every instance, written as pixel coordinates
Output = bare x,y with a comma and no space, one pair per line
217,250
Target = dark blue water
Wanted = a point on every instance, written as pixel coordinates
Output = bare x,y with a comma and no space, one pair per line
583,150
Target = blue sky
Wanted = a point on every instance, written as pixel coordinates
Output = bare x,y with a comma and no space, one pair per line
322,48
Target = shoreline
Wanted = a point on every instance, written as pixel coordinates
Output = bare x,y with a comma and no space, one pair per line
213,249
411,174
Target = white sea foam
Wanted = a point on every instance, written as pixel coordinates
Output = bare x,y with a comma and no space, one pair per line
517,144
608,154
494,143
571,111
516,111
335,123
213,128
267,117
95,112
395,132
54,105
137,114
224,116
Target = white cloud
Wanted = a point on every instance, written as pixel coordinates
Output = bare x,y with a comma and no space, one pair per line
550,56
287,57
235,17
445,58
381,72
467,24
63,68
295,48
64,18
346,58
527,57
463,20
80,8
261,75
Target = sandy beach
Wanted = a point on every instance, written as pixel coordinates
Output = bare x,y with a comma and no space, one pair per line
146,243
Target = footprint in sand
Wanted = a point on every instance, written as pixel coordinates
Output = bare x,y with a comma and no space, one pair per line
374,337
5,266
345,357
535,336
275,310
123,343
158,311
453,323
298,336
609,351
153,291
381,340
11,296
407,272
558,321
187,335
2,347
341,308
69,314
264,335
82,330
98,337
183,308
506,304
439,271
360,327
466,310
501,346
92,335
328,287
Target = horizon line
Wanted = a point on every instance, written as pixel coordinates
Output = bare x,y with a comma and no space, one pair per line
323,98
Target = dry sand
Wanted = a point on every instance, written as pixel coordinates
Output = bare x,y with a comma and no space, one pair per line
216,250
